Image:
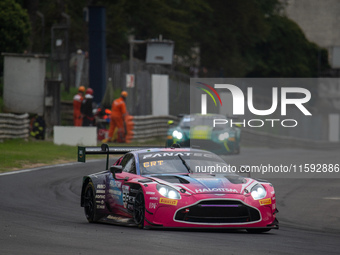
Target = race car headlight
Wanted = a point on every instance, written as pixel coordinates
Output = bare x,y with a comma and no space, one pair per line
177,135
168,192
258,192
223,136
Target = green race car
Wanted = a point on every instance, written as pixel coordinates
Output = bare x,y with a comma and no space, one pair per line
198,131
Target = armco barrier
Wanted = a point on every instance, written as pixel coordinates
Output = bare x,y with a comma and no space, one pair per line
14,126
146,127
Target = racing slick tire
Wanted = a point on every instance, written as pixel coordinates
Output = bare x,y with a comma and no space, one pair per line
257,230
139,209
90,203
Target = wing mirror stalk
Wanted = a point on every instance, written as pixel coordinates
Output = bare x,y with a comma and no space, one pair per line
117,169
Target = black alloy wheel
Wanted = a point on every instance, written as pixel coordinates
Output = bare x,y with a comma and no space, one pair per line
90,203
139,209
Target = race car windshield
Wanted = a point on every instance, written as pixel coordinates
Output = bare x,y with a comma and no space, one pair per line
172,162
192,121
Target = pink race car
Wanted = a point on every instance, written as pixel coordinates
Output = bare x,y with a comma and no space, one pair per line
175,188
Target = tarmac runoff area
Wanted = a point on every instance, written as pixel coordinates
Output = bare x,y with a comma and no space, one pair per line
307,201
41,214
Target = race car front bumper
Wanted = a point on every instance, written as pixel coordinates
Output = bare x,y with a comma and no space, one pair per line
213,213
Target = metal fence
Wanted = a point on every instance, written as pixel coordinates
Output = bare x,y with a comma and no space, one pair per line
140,102
325,98
146,127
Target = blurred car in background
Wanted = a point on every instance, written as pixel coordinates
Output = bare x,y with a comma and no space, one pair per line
198,131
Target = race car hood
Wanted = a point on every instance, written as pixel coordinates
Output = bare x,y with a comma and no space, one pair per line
201,132
205,183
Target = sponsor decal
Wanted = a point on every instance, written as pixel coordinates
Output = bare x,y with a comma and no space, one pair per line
100,196
100,206
266,201
216,190
100,202
153,205
175,154
100,186
126,190
115,192
168,201
118,218
100,191
153,198
150,193
115,184
115,197
153,163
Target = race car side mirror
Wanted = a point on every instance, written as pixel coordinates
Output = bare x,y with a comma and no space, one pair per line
117,169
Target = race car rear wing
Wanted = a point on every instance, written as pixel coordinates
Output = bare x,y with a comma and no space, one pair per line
104,149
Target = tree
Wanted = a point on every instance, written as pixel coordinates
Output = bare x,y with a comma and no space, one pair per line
227,34
286,52
15,28
174,20
236,38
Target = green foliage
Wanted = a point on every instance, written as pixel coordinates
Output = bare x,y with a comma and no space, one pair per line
19,154
174,20
68,96
229,32
110,95
15,28
286,52
1,94
236,38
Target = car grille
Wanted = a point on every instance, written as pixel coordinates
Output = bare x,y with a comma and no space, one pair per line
218,211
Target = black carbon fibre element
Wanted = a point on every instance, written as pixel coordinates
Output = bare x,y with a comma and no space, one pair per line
218,211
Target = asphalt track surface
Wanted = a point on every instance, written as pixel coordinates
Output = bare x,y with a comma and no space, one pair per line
40,214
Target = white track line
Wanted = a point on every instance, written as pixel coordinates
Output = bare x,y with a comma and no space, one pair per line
35,169
43,167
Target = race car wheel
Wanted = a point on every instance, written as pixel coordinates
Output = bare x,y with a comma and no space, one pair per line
257,230
139,209
90,203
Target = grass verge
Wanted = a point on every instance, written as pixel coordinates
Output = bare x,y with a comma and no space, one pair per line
19,154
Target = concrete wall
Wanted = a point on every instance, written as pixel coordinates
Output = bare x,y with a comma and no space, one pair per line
24,77
319,19
86,136
160,94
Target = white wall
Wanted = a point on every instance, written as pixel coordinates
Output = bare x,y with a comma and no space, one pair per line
160,94
24,80
334,127
86,136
